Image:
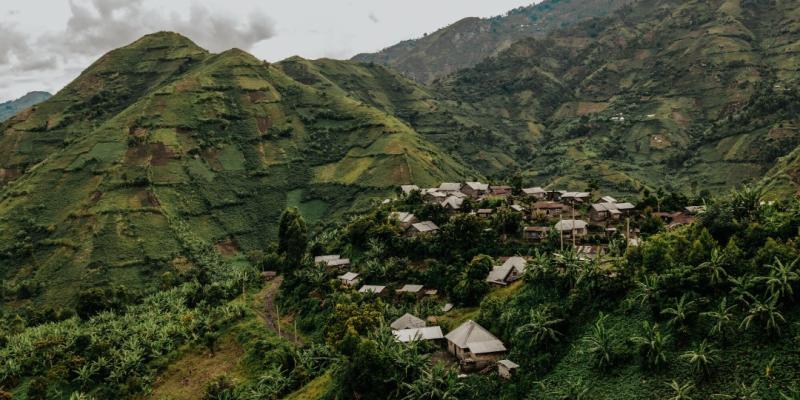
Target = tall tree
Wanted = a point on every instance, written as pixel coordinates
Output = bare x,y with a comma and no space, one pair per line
292,236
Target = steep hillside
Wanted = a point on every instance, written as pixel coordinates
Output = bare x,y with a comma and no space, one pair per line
692,94
9,108
489,144
122,171
471,40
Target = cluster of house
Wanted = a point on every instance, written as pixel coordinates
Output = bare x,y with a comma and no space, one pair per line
475,347
536,204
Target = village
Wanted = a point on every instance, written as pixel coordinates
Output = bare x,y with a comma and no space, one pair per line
587,223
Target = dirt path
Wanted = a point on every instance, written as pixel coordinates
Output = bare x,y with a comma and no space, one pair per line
269,313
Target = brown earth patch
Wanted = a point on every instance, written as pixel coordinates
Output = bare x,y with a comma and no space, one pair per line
95,198
160,104
264,123
780,133
160,154
8,174
227,247
211,155
680,119
401,173
148,198
137,131
136,155
23,116
255,96
185,85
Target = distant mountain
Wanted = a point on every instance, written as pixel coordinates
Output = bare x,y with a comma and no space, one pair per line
160,144
471,40
9,108
694,95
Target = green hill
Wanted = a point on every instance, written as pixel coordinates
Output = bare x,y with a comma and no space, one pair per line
471,40
9,108
692,94
489,144
161,143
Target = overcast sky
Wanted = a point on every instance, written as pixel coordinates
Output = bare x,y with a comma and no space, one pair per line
44,44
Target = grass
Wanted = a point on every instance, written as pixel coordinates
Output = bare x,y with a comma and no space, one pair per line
186,377
316,389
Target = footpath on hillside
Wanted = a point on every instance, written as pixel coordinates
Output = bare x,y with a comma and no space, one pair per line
270,314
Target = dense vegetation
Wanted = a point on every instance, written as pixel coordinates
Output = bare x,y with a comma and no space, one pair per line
705,310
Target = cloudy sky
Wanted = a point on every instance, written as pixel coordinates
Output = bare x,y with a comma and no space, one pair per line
44,44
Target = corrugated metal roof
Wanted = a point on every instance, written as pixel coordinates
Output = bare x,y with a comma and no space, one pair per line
508,364
570,224
426,333
349,276
450,186
407,321
489,346
476,338
372,289
410,288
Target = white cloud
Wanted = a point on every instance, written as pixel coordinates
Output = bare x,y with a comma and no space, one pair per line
102,25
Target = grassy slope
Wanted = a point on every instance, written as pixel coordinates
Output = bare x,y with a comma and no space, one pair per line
218,143
470,40
468,134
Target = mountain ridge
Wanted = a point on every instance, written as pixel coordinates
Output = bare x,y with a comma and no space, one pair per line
219,144
468,41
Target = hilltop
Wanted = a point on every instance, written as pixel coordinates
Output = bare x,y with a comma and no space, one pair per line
470,40
11,107
161,144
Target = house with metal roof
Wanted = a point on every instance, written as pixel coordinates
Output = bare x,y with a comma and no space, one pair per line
535,232
549,208
472,343
404,218
349,279
535,192
453,203
332,261
475,189
570,226
450,187
407,321
506,368
410,288
424,227
575,196
510,271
